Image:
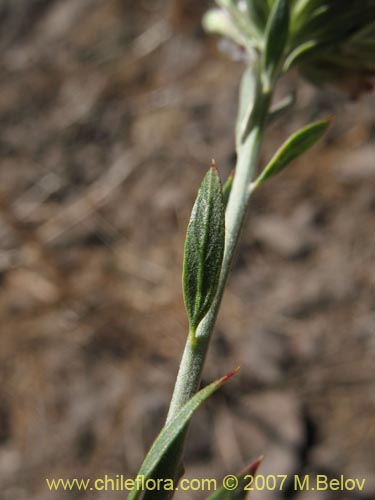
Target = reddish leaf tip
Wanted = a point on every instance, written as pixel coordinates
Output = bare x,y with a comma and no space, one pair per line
213,164
231,175
253,467
229,375
329,118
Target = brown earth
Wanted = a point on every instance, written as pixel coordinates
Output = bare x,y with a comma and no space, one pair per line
110,112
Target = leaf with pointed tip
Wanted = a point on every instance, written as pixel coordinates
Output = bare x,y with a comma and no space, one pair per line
299,52
240,493
297,144
165,440
281,107
204,249
277,30
227,188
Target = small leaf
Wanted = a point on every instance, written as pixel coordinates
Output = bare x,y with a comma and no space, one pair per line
227,188
281,107
299,52
297,144
204,248
220,22
258,12
165,440
246,104
239,493
276,36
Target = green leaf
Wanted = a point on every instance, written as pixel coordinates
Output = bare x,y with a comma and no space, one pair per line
227,4
276,37
227,188
165,440
258,12
246,104
295,146
281,107
204,249
245,26
218,21
299,52
243,479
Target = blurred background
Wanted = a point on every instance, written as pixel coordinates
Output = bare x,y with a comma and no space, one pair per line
110,113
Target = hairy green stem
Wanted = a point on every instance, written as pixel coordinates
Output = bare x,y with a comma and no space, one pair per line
192,363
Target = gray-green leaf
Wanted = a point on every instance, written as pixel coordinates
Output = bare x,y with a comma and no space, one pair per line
227,188
281,107
218,21
163,443
295,146
244,481
204,248
246,104
277,30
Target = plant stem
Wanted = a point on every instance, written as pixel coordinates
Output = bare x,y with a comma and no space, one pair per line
192,363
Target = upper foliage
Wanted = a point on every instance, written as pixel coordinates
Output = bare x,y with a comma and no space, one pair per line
329,40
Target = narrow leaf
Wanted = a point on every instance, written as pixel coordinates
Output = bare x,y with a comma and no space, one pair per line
295,146
204,248
165,440
227,188
246,104
241,483
258,11
281,107
299,52
276,36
